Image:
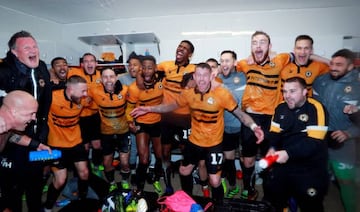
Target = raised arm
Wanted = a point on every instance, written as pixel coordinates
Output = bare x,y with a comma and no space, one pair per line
318,58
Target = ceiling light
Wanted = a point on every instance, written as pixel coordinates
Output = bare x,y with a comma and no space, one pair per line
232,33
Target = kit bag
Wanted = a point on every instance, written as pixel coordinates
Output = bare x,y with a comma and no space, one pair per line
180,201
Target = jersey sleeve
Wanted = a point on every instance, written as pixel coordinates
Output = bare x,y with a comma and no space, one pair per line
132,98
316,130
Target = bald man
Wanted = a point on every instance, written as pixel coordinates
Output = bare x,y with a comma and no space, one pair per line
18,110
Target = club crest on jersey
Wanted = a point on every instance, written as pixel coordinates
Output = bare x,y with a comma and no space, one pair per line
271,64
120,96
42,83
311,192
348,89
160,85
308,73
98,81
303,117
210,101
236,80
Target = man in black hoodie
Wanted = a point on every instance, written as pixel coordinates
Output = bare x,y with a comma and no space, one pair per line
23,70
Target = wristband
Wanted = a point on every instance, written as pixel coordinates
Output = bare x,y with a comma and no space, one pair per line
34,144
253,126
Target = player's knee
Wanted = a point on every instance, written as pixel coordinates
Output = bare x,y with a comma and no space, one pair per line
186,170
214,180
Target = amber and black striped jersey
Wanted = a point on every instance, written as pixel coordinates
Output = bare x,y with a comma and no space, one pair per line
207,114
112,107
92,80
172,82
64,115
262,92
300,131
309,72
148,97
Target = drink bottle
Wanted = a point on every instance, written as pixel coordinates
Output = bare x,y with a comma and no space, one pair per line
44,155
268,161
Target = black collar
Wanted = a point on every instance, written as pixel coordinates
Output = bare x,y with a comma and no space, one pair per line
201,94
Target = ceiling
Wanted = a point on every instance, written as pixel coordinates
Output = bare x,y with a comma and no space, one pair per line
78,11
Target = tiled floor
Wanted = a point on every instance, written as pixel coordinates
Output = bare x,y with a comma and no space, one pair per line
332,201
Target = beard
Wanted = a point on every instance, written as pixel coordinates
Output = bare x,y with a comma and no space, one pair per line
262,61
336,76
75,99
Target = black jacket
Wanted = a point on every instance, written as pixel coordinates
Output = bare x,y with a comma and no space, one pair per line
16,76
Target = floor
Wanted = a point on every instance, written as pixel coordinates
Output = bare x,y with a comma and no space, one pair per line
332,201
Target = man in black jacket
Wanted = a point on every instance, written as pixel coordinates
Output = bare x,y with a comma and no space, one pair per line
297,137
23,70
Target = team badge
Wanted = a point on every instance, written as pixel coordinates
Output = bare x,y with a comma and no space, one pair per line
120,96
79,106
311,192
236,80
303,117
308,73
271,64
210,101
348,89
98,81
160,86
41,83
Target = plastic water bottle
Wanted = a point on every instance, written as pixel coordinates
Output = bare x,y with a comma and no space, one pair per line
268,161
147,53
62,203
44,155
196,208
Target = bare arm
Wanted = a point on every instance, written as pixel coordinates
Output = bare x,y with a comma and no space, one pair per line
163,108
249,122
318,58
25,140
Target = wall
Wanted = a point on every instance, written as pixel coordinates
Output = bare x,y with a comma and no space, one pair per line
45,32
326,25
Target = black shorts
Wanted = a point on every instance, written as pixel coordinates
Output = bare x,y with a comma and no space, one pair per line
153,130
90,128
231,141
248,138
175,128
119,142
213,156
69,156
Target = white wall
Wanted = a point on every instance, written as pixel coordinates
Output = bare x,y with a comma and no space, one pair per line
45,32
326,25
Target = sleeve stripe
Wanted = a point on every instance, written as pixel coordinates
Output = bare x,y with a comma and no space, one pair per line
275,127
318,132
320,112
